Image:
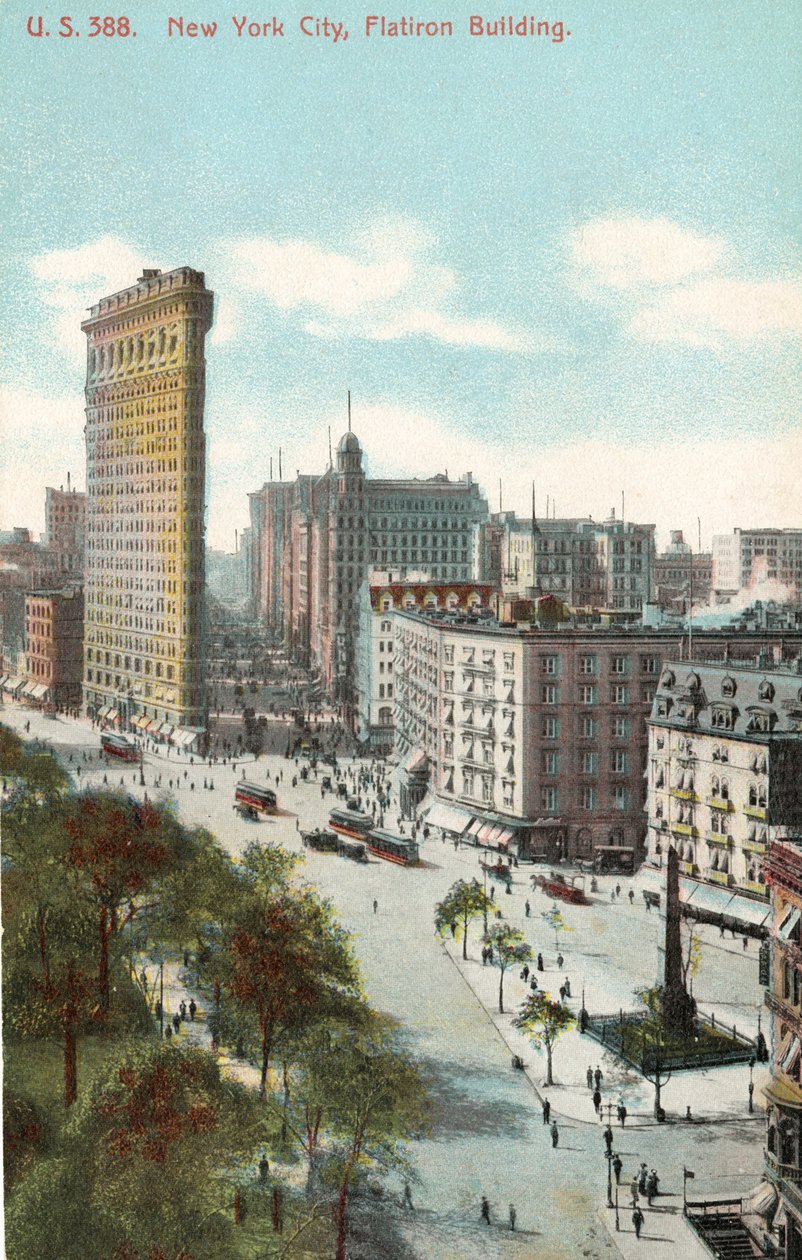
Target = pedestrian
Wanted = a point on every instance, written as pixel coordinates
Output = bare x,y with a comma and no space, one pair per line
643,1175
598,1076
560,961
631,896
186,957
485,1210
264,1169
375,906
193,1007
652,1186
540,965
618,890
546,1105
612,894
562,992
493,893
622,1113
176,1022
525,972
637,1221
633,1190
746,942
407,1203
527,909
618,1164
533,985
597,1100
555,1135
513,1217
168,1033
608,1139
567,987
182,1010
590,1078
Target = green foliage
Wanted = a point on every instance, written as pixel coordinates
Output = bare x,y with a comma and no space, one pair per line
544,1022
555,920
463,903
10,751
26,1133
141,1164
509,947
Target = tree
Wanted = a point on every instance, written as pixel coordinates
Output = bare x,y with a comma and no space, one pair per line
463,903
544,1022
692,959
288,960
142,1172
509,947
555,920
121,846
373,1099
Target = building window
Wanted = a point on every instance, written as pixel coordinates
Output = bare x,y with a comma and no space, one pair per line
587,727
620,796
619,761
587,695
549,799
589,762
620,694
550,762
620,727
551,728
587,798
548,664
548,694
619,665
587,664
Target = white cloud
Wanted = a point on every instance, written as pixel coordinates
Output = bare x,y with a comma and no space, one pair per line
629,253
386,286
43,440
713,311
666,284
73,279
226,321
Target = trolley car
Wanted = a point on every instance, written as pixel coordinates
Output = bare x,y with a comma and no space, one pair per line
350,822
257,797
392,848
119,746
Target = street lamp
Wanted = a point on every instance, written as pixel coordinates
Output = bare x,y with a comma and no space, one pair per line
609,1158
141,765
751,1084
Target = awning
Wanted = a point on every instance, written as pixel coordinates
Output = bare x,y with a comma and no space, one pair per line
167,730
707,897
762,1200
3,680
789,922
484,833
29,688
747,911
101,713
112,715
156,728
416,763
475,827
652,879
783,1095
448,817
40,691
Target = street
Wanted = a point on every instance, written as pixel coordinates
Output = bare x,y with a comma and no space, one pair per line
487,1135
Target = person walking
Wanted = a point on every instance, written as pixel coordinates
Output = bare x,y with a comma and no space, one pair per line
485,1210
408,1205
633,1190
560,961
555,1135
643,1174
527,909
608,1140
622,1112
618,1164
598,1076
597,1100
540,965
652,1186
182,1009
590,1078
546,1105
375,906
513,1217
176,1022
631,896
637,1221
193,1007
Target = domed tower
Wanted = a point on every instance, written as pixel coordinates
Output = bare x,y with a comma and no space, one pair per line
348,563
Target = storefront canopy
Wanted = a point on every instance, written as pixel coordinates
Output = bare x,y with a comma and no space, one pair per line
448,817
707,897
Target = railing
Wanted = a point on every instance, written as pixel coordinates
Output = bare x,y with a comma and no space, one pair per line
720,877
715,837
754,846
611,1031
683,795
717,802
684,829
788,1172
755,811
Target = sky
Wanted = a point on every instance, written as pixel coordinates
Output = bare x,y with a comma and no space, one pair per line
570,261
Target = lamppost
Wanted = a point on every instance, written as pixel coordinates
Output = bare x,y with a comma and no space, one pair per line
142,765
484,903
609,1156
751,1084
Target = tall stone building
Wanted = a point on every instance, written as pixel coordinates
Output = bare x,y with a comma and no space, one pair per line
316,538
65,528
146,459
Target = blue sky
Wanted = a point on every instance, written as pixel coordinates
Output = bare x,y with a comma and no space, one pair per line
576,262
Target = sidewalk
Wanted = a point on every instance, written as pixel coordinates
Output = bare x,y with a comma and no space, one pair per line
665,1231
718,1094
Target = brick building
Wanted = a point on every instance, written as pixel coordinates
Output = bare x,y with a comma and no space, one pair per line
54,628
539,732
